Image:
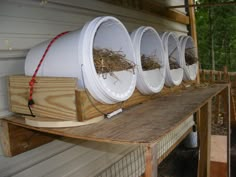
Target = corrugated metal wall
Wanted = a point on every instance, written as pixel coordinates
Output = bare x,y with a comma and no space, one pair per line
26,23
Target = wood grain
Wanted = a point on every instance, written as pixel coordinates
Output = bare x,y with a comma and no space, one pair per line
54,97
88,107
144,123
16,139
205,143
151,161
218,169
59,98
156,8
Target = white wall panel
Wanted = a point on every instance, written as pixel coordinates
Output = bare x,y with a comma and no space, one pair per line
26,23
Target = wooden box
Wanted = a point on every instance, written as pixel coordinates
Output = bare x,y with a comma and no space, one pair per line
59,98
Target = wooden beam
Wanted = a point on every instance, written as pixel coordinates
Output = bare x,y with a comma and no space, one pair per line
204,5
16,139
156,8
205,143
229,130
193,30
151,161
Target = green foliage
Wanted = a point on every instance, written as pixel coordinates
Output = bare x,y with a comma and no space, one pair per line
216,29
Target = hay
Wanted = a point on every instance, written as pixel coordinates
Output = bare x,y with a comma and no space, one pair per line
108,61
190,56
149,63
173,63
172,60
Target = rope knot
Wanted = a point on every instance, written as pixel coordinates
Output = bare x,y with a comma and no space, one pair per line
31,83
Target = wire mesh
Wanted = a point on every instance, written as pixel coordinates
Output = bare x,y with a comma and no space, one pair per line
133,163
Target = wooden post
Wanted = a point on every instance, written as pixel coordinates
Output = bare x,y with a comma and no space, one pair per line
217,108
203,76
212,77
226,105
192,22
151,161
227,117
205,135
16,139
226,78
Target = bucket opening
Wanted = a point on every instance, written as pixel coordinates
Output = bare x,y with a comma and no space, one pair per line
150,52
173,53
152,60
190,53
107,62
111,38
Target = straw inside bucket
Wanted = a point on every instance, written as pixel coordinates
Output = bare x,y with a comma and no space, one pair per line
107,61
190,56
149,62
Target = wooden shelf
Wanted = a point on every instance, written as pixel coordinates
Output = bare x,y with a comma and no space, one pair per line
144,124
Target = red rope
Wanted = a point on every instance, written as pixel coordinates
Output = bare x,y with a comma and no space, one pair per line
32,81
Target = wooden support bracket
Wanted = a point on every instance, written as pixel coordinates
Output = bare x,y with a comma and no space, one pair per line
16,139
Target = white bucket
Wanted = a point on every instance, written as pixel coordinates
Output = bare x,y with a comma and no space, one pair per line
190,71
191,140
146,41
72,56
171,46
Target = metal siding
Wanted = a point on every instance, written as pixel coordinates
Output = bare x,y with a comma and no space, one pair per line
26,23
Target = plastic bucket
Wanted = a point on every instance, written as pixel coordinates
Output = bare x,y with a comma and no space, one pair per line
146,41
72,56
191,141
171,47
190,71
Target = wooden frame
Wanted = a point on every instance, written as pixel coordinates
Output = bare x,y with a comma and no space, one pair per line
105,131
60,99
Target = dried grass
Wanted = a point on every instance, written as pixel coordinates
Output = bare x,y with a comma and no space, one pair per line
190,56
149,62
108,61
173,63
172,60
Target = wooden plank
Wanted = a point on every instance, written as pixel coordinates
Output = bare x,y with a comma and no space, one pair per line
58,98
232,108
156,8
205,135
54,97
144,123
219,148
217,107
193,31
88,107
151,161
16,139
218,169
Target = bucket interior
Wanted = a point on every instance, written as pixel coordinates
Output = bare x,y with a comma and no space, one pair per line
190,46
173,52
151,46
192,69
111,35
